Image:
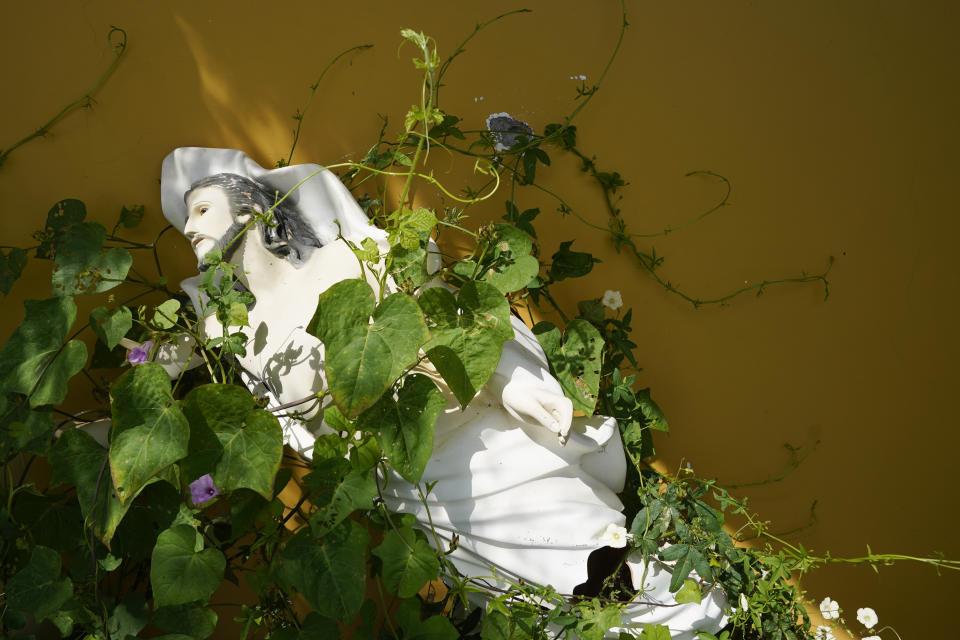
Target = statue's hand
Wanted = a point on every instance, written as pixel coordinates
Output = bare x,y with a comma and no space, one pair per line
533,401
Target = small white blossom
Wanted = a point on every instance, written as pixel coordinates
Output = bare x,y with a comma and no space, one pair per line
744,603
612,299
867,617
824,633
614,536
829,609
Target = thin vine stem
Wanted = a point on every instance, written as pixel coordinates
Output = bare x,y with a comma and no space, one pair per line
313,90
118,47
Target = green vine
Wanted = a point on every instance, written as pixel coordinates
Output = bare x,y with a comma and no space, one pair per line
117,39
185,488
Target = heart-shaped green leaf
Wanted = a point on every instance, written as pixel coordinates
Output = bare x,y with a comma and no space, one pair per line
111,326
179,573
34,361
468,334
574,360
149,430
250,440
363,359
404,427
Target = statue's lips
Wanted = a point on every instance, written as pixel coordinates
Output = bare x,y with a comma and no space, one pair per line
198,240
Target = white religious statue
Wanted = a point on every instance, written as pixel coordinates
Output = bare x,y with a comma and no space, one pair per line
527,489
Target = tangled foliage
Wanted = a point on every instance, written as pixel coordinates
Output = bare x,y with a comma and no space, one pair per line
139,535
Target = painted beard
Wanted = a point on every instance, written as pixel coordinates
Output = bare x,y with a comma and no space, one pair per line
228,243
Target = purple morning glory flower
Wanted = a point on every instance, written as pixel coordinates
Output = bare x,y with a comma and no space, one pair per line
139,355
203,490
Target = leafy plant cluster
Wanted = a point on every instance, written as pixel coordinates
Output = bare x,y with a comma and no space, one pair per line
188,493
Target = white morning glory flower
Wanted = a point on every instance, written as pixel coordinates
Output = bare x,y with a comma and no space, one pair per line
829,609
614,536
744,603
824,633
612,299
867,617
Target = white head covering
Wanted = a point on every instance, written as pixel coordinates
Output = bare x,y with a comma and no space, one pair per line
322,200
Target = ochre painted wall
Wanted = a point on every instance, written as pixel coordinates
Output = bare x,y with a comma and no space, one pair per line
835,122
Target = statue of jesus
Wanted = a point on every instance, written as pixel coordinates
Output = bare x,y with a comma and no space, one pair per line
525,487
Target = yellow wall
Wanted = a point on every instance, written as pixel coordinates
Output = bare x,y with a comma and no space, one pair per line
836,123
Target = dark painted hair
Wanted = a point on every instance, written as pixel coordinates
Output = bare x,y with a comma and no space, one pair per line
290,237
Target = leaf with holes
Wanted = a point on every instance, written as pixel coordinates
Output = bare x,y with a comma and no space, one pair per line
338,490
81,265
574,360
404,427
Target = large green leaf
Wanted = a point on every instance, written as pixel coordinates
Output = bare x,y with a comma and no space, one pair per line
317,627
468,335
109,325
409,266
154,510
362,359
82,266
192,621
129,616
433,628
408,562
574,360
23,429
178,573
149,431
655,632
11,266
38,587
330,574
513,266
399,321
358,364
80,460
404,427
34,361
249,441
61,217
597,620
52,522
347,304
251,454
337,490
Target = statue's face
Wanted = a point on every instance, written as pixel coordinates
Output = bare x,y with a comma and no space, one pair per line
210,223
